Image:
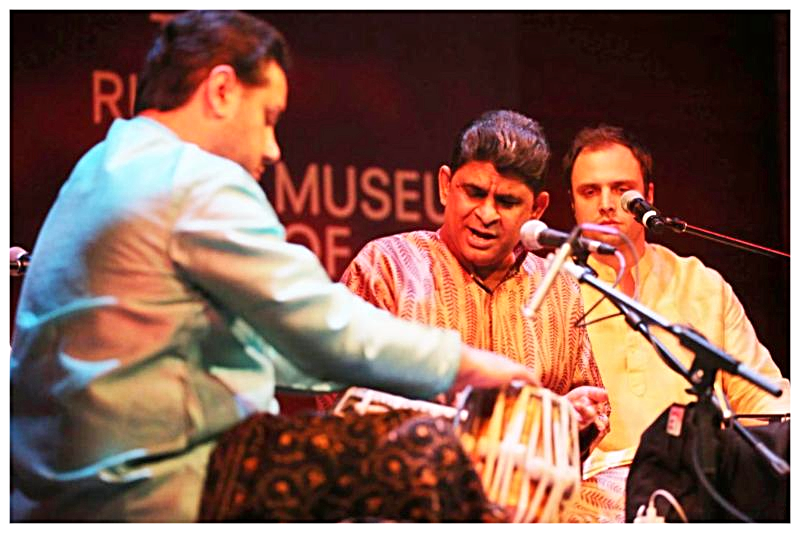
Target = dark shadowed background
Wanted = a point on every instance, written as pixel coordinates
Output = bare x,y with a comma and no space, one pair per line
376,99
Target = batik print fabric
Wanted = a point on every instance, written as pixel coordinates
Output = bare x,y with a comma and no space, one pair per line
398,466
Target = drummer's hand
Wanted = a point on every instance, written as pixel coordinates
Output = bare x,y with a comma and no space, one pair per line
587,400
483,369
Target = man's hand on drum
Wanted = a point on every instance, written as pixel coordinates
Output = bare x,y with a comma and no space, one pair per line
483,369
588,401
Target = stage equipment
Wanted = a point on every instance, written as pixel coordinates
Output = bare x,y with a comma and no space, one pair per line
707,415
522,441
19,260
634,203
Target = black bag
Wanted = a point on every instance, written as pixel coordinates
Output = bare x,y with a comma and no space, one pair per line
664,461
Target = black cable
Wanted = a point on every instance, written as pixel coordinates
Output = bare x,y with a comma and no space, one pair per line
716,496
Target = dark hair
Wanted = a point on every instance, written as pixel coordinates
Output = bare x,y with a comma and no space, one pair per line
192,43
512,142
601,137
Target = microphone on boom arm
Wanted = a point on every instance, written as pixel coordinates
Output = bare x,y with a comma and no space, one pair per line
535,235
643,211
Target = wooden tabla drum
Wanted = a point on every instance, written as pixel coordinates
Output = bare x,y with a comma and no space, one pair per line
363,401
523,442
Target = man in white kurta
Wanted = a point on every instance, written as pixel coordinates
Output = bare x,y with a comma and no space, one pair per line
603,163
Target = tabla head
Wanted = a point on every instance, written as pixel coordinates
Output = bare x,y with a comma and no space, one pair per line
523,442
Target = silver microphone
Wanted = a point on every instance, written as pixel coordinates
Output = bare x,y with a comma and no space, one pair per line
18,260
634,203
556,261
535,235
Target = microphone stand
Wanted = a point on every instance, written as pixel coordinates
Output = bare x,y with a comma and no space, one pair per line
706,354
701,376
555,263
637,323
679,226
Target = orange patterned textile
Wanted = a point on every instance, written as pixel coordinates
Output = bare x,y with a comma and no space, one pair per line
601,499
415,276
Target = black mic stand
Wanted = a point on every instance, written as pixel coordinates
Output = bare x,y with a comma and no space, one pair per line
580,256
701,376
679,226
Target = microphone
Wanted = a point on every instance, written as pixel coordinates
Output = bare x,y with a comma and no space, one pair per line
557,260
634,203
535,235
19,259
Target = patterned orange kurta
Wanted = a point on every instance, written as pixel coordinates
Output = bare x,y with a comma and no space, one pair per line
415,276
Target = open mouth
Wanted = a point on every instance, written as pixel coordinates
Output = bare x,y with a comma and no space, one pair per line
481,234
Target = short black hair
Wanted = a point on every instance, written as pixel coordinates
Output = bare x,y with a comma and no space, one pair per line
193,43
512,142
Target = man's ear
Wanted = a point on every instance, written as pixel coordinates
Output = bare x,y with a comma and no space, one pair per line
222,91
650,192
444,183
540,204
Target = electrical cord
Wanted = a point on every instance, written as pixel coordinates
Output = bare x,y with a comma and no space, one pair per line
716,496
650,515
581,322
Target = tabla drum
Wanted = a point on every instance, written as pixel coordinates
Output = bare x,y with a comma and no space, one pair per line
523,442
363,401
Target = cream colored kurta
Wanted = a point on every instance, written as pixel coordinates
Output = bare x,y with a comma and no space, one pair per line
640,385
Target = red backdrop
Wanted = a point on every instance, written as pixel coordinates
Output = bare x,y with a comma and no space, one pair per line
376,99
